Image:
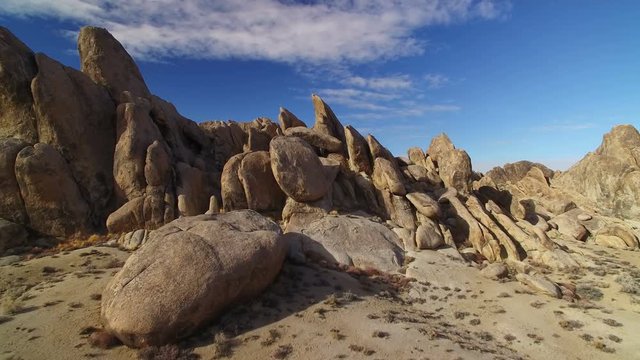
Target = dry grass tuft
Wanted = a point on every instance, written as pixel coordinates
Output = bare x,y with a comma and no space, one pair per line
223,346
102,339
80,241
283,352
166,352
273,336
612,322
570,325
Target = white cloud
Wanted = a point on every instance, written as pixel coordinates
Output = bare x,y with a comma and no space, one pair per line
314,32
381,83
436,81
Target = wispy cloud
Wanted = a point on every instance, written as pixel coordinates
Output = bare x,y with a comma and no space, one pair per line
285,31
393,82
436,81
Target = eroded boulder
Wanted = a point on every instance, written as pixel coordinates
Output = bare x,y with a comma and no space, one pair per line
352,241
51,196
188,272
297,169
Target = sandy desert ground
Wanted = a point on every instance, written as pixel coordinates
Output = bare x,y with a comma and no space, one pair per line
51,305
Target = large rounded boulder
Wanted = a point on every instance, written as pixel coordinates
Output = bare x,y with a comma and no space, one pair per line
297,169
349,240
188,272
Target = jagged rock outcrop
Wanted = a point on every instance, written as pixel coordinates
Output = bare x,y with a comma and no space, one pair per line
107,63
288,120
11,204
51,196
128,159
358,151
609,177
513,172
326,121
17,69
188,272
77,117
454,165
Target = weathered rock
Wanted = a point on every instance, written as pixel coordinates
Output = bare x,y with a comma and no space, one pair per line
288,120
297,169
540,284
187,141
397,208
214,207
195,186
77,117
477,210
418,173
11,235
136,131
17,68
454,165
514,172
157,165
584,217
51,197
408,238
228,138
378,151
352,240
188,272
128,216
625,237
609,177
428,235
358,150
133,240
386,177
417,156
107,63
256,141
260,187
11,204
233,196
315,138
477,236
366,192
425,205
326,121
495,270
571,227
298,215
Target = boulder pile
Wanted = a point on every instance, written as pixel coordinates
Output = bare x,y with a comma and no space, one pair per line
122,159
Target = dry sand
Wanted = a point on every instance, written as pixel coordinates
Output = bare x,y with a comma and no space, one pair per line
450,311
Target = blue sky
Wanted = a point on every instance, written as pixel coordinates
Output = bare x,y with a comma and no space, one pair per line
506,80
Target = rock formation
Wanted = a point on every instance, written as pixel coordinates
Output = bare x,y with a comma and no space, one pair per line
609,177
95,151
188,272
